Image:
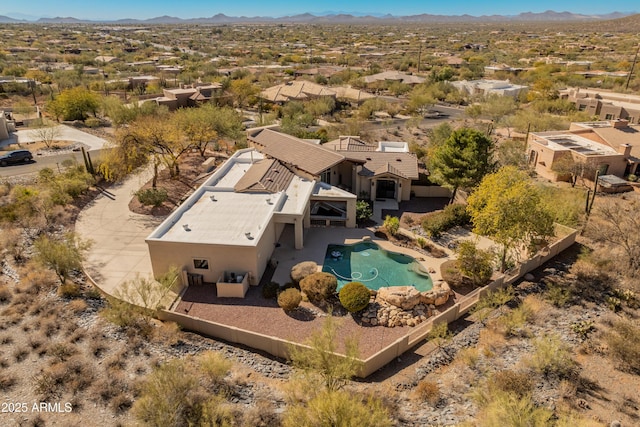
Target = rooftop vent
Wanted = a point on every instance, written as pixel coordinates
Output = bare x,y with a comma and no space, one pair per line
186,227
248,235
213,198
398,159
269,202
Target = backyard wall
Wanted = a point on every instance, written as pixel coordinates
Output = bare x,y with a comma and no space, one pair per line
430,191
278,347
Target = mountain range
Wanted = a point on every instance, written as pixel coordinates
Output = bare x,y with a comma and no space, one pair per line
335,18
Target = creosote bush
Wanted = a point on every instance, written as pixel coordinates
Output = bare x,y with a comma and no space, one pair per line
354,296
428,391
623,340
152,196
552,357
289,299
319,286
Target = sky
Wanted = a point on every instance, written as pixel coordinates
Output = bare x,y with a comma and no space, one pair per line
144,9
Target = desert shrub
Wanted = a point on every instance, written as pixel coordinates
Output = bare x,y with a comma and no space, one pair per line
519,384
289,299
172,395
61,351
451,274
337,408
354,296
504,409
319,286
20,353
468,356
514,320
624,343
92,122
77,306
7,381
214,365
436,223
391,224
152,196
5,294
552,357
428,391
270,290
557,294
302,270
69,290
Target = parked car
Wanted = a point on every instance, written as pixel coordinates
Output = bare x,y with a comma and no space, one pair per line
15,156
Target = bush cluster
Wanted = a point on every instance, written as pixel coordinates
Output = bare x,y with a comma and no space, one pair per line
289,299
152,196
354,296
319,286
392,224
436,223
270,290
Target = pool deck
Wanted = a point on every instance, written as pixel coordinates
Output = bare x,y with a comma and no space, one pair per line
317,239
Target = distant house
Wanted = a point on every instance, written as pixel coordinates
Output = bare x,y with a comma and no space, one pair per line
610,147
298,90
396,76
604,104
489,87
188,96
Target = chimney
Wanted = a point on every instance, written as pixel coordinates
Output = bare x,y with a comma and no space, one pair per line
625,149
619,123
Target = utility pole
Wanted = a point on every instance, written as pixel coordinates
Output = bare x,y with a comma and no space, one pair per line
635,59
419,55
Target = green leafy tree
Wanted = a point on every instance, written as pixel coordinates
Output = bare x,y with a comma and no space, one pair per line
475,263
63,255
462,160
507,207
74,104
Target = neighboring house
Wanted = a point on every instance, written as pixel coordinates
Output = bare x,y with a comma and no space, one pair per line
489,87
493,69
188,96
611,147
226,231
604,104
351,95
298,90
396,76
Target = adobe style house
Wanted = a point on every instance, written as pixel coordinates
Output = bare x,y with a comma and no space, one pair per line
604,104
226,231
610,147
490,87
188,96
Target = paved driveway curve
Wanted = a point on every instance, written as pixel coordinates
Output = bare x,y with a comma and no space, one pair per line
119,252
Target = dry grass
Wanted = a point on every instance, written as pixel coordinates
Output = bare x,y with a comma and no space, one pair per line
490,342
77,306
7,381
468,356
5,294
428,391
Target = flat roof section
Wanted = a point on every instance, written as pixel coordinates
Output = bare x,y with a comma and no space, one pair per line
579,144
223,218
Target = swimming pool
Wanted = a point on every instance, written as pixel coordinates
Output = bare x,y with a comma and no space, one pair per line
368,263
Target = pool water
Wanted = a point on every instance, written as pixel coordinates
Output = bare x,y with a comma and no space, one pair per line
368,263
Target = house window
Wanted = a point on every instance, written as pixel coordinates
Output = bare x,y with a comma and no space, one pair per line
201,264
582,107
608,117
325,176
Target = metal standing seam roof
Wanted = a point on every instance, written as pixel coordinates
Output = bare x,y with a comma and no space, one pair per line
265,176
301,154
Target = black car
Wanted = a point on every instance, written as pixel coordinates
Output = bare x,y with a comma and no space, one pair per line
16,156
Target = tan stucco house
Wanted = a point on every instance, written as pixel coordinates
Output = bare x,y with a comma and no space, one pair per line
226,231
610,147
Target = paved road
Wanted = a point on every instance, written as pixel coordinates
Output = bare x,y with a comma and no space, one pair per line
92,144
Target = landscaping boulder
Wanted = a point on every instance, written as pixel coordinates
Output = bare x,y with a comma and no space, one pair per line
438,295
405,297
302,270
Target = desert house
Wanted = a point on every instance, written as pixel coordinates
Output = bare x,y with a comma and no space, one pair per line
610,147
226,231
